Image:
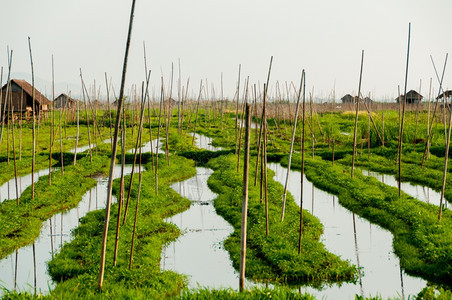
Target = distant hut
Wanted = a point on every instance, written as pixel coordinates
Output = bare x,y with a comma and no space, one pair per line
21,94
412,97
64,101
367,100
447,94
348,99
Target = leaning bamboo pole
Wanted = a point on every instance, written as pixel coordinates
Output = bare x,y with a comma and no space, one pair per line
355,131
430,133
403,114
262,122
137,145
139,141
3,112
245,197
14,149
162,95
34,124
300,237
292,140
113,155
446,157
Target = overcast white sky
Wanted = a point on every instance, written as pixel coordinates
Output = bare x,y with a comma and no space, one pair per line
215,36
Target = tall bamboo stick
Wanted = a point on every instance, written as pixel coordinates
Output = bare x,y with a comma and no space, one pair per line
51,126
356,115
302,165
292,140
245,198
113,155
34,123
403,113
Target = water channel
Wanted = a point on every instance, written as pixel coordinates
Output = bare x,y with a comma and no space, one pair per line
353,238
423,193
17,269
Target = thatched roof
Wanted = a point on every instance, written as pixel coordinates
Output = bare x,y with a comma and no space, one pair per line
28,89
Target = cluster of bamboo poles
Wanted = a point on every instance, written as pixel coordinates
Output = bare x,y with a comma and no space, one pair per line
185,111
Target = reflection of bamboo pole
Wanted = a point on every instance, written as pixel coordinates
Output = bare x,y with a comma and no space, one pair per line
113,156
294,129
356,115
35,269
245,197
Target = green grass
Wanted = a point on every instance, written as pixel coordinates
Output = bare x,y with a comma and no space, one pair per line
76,267
423,244
20,225
274,258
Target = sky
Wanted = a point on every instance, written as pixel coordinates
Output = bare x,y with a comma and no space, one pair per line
211,38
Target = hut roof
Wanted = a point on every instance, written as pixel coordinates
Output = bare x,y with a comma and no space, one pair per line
447,94
411,96
70,99
28,89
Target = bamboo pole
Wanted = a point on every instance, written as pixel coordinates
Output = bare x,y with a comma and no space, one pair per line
137,145
302,165
430,133
158,141
403,114
34,124
262,122
356,115
77,108
292,140
446,157
197,110
241,124
237,109
140,130
245,197
14,149
51,126
113,155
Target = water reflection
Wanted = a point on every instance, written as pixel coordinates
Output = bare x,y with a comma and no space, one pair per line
8,189
17,269
204,142
420,192
199,252
363,243
147,147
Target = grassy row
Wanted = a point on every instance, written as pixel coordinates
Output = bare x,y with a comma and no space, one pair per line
423,244
20,225
76,267
273,258
431,175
